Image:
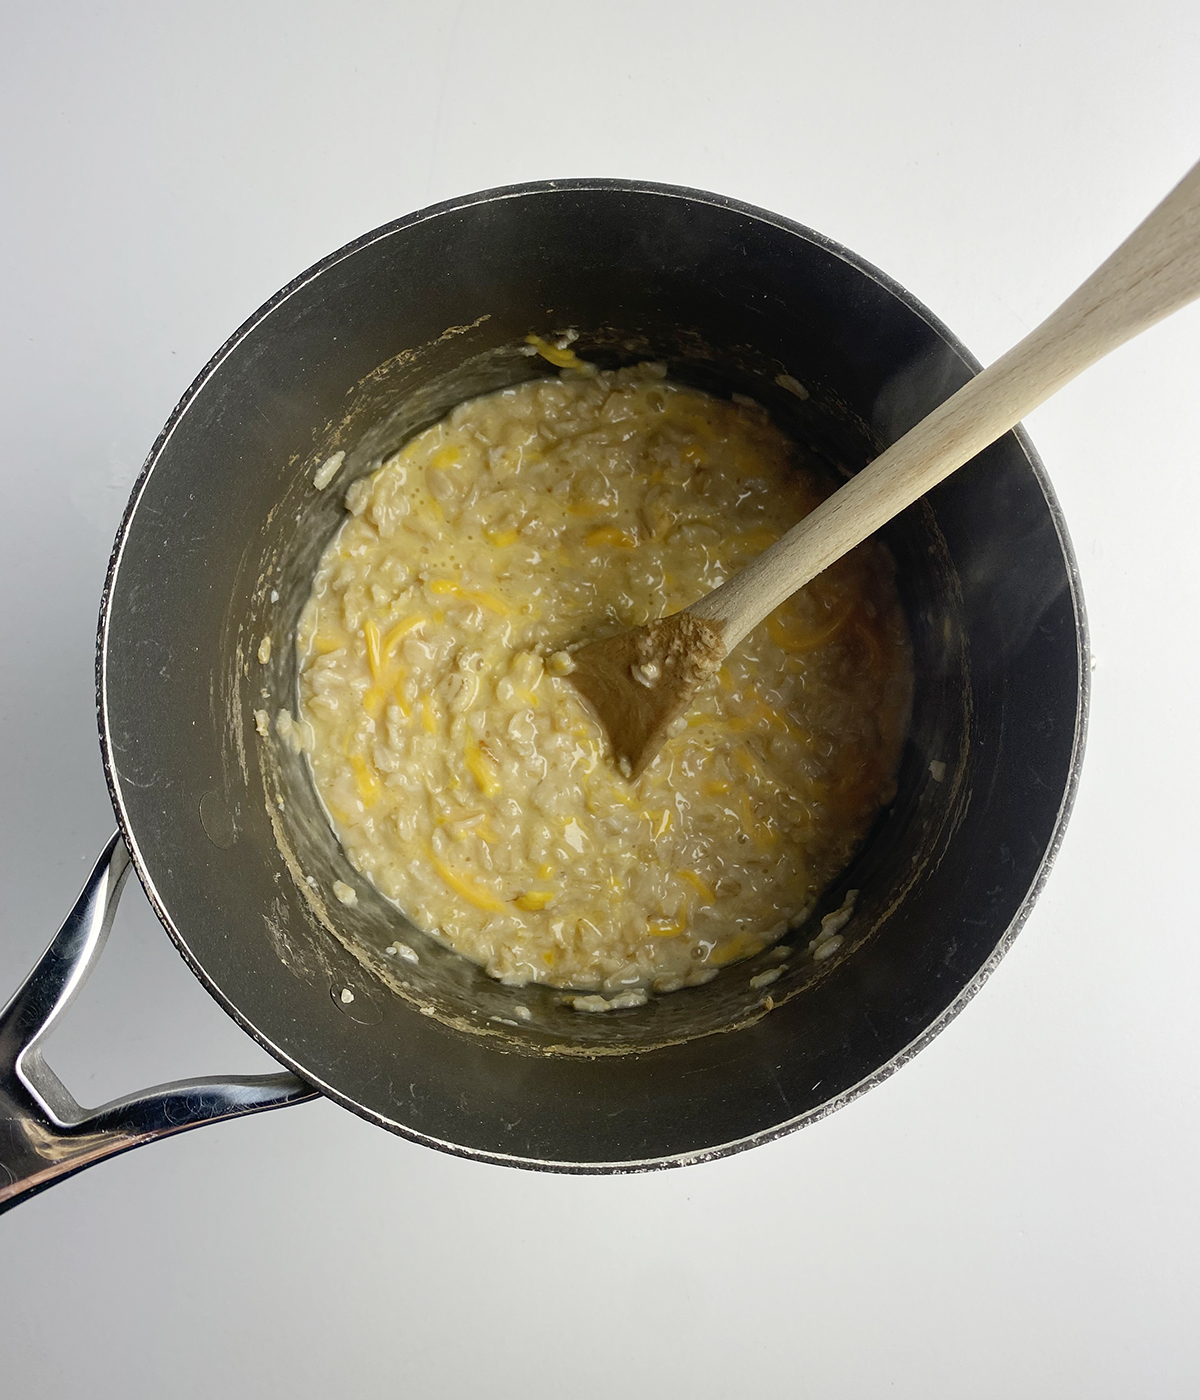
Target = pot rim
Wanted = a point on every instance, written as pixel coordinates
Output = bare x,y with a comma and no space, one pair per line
914,305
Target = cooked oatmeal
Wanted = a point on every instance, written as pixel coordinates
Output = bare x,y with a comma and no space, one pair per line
462,772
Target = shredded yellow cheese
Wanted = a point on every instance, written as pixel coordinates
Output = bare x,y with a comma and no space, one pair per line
443,586
473,892
400,630
482,769
371,637
705,890
428,716
668,927
533,900
761,834
741,945
610,535
364,779
561,358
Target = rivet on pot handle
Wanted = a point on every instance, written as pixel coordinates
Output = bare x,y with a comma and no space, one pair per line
44,1134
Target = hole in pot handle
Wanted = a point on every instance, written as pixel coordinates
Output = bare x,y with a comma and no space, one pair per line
44,1134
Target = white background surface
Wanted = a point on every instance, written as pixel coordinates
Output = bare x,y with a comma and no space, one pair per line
1016,1212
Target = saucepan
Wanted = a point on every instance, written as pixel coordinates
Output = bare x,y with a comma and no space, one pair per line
223,826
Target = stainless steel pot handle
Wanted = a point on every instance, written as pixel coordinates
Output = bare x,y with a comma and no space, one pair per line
44,1134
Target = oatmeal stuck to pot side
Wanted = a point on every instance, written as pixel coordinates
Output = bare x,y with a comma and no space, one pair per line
464,776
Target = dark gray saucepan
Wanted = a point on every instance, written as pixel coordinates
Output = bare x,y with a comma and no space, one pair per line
216,549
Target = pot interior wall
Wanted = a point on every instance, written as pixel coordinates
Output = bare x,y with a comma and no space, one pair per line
221,544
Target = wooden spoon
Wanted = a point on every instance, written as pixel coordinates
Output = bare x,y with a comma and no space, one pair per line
640,683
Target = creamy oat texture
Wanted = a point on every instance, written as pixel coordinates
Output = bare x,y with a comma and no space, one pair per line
462,772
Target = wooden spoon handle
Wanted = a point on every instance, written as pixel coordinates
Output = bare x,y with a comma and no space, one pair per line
1154,272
